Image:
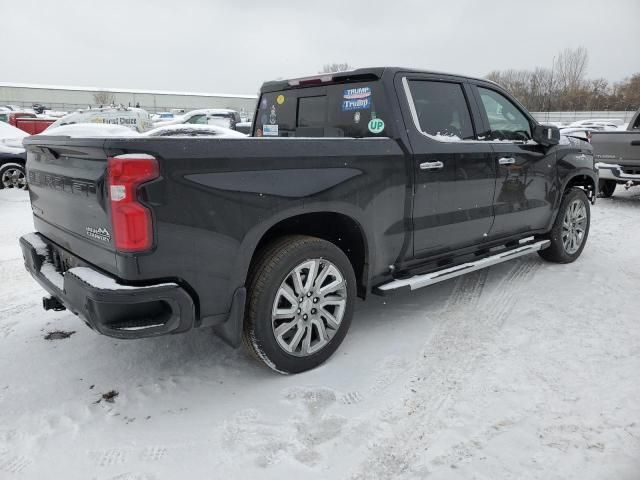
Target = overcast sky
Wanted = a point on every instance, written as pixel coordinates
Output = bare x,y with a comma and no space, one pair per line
224,46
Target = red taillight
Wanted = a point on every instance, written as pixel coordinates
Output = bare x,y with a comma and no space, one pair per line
131,221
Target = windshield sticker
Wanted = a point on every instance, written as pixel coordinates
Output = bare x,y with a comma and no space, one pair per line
356,99
259,132
376,125
280,99
270,130
272,116
356,117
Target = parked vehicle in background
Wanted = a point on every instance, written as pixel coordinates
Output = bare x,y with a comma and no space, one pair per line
134,118
221,117
28,122
583,133
163,117
244,127
16,108
270,240
617,154
608,123
12,157
189,130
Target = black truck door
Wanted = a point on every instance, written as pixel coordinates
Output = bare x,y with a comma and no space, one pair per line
525,180
454,174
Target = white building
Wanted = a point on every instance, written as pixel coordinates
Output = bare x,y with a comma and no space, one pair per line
65,98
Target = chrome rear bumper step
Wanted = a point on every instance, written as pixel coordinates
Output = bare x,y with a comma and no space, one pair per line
424,280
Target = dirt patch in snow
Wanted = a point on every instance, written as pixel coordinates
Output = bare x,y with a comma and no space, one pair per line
58,335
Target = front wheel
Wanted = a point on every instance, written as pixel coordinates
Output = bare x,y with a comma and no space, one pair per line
606,188
570,230
301,294
12,175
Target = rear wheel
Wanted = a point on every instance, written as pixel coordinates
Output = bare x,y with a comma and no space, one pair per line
300,303
570,230
606,188
12,175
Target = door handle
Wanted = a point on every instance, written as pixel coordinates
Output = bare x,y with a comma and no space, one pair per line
431,165
635,143
506,161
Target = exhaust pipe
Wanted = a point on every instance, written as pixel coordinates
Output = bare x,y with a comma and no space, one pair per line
52,303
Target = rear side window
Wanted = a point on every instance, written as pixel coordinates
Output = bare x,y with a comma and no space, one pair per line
335,110
441,109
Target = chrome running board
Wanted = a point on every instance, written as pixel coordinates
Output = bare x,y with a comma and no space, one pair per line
424,280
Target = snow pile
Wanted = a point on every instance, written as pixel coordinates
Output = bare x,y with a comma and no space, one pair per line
190,130
522,370
11,139
9,131
102,282
82,130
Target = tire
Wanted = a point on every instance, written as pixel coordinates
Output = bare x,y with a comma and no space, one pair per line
12,175
574,205
606,188
276,341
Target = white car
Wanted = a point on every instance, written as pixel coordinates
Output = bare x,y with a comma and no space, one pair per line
222,117
133,118
189,130
600,124
12,157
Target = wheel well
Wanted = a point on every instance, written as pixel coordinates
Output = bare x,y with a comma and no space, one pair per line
582,181
341,230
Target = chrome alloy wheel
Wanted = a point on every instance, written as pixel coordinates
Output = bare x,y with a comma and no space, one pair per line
309,307
14,177
574,226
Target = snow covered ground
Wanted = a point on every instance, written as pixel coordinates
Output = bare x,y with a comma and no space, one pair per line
528,370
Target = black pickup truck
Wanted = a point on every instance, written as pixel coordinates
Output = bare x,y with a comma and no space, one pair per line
369,181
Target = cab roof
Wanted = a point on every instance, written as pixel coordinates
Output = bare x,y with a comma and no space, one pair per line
357,75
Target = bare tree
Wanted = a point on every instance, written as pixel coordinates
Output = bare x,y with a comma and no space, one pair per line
565,86
335,67
104,98
571,67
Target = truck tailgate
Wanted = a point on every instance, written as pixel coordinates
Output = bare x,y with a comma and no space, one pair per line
621,147
68,197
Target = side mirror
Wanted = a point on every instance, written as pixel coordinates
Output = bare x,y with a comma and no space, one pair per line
546,135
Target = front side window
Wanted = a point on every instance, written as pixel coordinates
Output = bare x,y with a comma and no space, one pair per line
441,110
506,121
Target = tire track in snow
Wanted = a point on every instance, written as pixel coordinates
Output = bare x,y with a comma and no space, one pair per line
446,364
498,306
467,289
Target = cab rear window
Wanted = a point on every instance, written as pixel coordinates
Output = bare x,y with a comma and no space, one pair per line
336,110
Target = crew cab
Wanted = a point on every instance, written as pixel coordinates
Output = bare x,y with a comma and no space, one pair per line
365,182
617,155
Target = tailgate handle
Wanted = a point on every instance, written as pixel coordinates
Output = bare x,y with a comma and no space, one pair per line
506,161
49,152
431,165
635,143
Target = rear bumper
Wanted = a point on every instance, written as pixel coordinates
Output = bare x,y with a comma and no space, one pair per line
113,309
612,171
